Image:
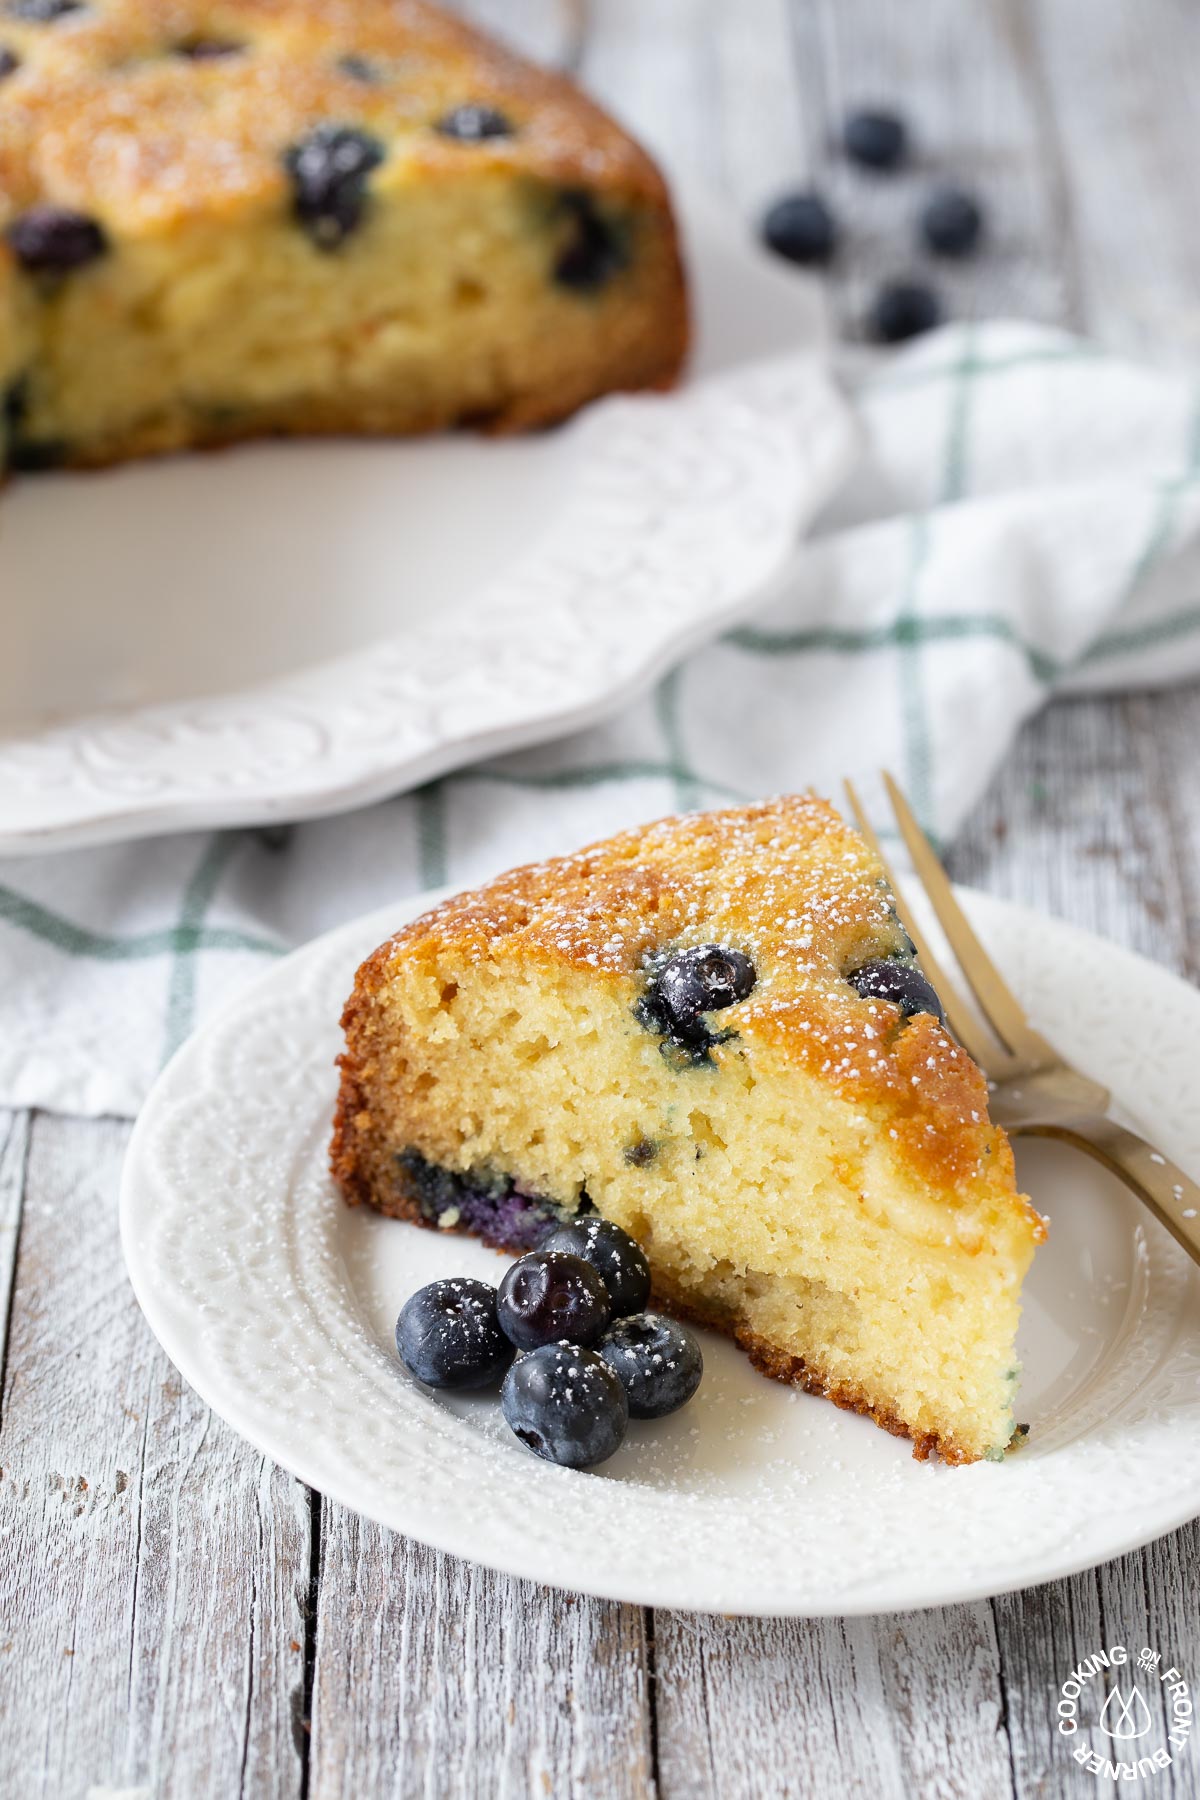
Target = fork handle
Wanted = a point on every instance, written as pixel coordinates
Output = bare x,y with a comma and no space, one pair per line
1172,1196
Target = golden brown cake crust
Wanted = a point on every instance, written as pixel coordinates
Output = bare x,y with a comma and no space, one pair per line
102,116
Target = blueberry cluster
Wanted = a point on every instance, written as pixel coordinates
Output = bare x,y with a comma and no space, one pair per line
566,1334
802,227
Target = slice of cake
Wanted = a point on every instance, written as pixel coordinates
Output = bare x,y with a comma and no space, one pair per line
222,218
711,1031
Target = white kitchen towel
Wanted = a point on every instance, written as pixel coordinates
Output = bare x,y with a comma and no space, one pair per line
1024,520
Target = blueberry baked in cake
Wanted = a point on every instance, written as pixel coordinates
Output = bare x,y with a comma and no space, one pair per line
223,218
712,1032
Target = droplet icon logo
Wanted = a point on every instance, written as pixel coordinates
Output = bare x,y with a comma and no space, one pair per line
1125,1716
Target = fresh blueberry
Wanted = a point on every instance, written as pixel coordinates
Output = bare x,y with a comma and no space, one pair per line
800,227
900,982
448,1335
9,60
657,1361
702,980
472,124
613,1254
705,979
952,222
43,12
593,251
904,309
329,170
566,1405
878,140
549,1298
208,49
54,240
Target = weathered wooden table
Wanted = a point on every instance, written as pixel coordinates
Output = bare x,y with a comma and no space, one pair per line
180,1618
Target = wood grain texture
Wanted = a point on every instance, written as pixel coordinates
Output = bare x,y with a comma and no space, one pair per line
1143,1600
437,1678
155,1566
1174,731
893,1706
1081,822
1123,81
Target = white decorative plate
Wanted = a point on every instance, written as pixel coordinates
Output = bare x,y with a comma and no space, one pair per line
285,630
277,1303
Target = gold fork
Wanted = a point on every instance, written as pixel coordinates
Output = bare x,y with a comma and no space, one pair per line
1034,1090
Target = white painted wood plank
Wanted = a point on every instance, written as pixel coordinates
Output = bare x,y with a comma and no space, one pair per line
1174,732
438,1679
891,1707
1124,85
1077,823
155,1568
1144,1600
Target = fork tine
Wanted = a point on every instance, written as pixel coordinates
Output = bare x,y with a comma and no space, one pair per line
961,1020
996,1000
